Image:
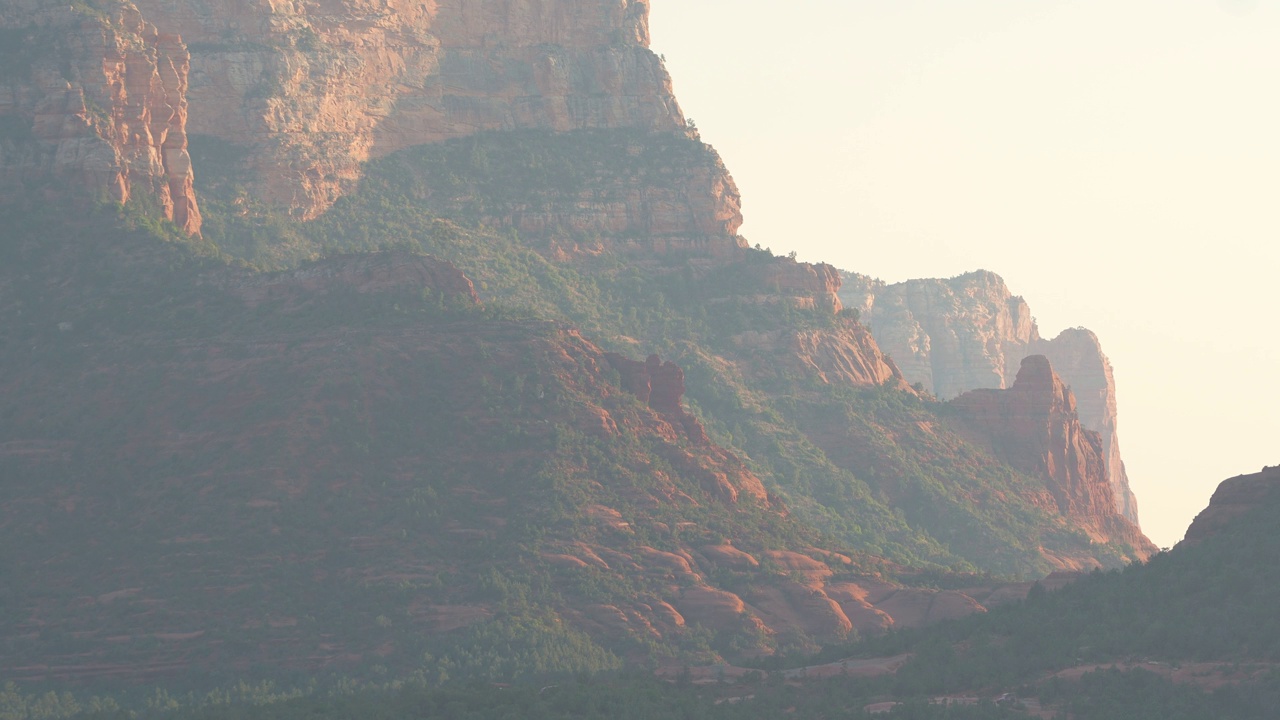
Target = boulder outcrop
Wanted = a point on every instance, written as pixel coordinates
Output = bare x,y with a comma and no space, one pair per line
94,98
659,385
970,332
1034,427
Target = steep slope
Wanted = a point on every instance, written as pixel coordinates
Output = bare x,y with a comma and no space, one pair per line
430,427
317,89
94,97
349,462
1034,427
779,366
1209,600
970,332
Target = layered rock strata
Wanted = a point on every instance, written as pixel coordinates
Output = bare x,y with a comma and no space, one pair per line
317,89
1033,426
94,98
310,92
971,332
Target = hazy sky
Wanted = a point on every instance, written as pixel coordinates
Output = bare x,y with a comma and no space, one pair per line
1116,161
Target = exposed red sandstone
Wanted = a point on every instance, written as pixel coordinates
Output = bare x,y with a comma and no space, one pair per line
792,606
730,556
970,332
1077,356
786,277
313,91
660,386
104,102
317,89
1033,426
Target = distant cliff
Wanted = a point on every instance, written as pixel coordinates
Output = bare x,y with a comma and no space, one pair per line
302,96
1033,426
971,332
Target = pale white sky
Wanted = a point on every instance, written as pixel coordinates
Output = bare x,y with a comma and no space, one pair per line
1117,161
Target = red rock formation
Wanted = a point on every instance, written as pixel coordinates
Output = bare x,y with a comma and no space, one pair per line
1033,426
1077,355
319,88
312,91
666,383
660,385
104,98
786,277
971,332
1234,498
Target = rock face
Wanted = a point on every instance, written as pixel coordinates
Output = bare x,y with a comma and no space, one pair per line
971,332
821,282
1077,355
316,89
307,93
1234,498
95,98
1033,426
842,353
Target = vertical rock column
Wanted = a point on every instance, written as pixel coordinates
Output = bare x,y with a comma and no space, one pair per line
104,96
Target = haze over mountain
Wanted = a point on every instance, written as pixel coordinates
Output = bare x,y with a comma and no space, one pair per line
1114,163
351,348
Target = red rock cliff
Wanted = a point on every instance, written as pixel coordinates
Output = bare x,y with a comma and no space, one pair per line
1034,427
95,98
318,88
971,332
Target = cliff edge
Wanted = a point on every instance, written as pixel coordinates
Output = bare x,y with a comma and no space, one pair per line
1034,427
970,332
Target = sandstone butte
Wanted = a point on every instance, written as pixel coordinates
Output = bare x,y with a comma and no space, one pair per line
970,332
1034,427
314,90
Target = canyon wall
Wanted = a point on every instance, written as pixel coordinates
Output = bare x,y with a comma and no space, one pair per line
307,93
317,89
969,332
94,98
